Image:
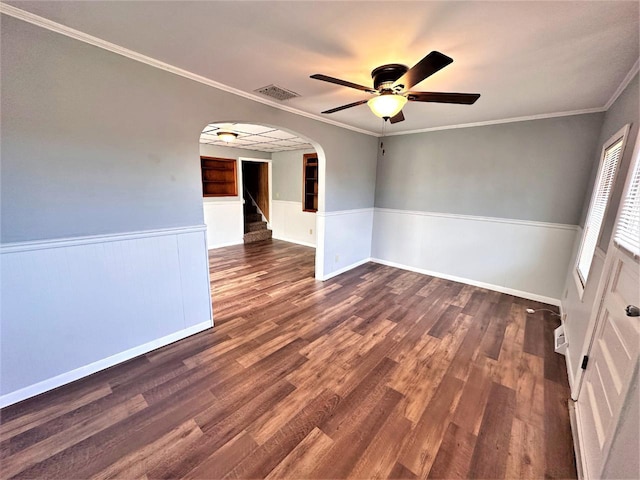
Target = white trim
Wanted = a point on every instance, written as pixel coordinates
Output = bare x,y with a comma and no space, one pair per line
625,82
345,212
576,431
290,240
133,55
78,373
540,116
475,283
567,358
222,245
528,223
110,237
620,135
345,269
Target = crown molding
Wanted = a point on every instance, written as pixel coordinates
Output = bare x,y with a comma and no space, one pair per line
133,55
504,120
625,82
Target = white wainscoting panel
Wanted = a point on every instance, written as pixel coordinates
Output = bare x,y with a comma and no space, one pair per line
347,241
523,258
72,307
225,223
291,224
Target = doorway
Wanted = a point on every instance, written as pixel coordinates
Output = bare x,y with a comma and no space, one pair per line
255,180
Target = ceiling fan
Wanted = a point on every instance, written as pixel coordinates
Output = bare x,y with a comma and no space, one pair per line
392,84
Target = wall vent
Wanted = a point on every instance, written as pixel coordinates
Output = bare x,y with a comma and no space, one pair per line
276,92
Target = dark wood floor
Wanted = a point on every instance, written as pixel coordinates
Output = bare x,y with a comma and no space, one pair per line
377,373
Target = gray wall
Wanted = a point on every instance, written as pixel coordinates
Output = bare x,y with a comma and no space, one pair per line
88,135
535,170
287,175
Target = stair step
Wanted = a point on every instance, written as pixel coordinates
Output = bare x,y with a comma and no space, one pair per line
252,217
255,226
257,236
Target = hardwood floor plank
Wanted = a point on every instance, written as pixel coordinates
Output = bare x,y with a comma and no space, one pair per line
215,465
470,409
526,451
56,443
445,322
557,433
352,439
168,449
304,458
534,334
11,427
491,452
379,459
423,443
267,456
454,455
400,472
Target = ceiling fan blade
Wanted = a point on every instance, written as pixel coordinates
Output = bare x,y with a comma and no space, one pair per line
344,83
424,68
343,107
443,97
398,117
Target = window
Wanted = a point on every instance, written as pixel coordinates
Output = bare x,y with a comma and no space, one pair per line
611,155
627,234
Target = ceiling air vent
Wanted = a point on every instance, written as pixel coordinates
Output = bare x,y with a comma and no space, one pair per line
276,92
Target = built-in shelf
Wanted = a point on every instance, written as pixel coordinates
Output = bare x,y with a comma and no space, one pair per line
310,182
219,178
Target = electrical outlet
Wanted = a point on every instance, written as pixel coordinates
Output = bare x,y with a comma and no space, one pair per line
311,231
277,194
337,258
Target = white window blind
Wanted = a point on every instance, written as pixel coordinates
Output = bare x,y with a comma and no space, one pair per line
628,229
599,202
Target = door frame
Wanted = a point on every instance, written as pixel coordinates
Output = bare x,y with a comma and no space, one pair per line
269,163
605,277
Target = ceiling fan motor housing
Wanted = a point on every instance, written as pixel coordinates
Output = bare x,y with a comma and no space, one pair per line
385,75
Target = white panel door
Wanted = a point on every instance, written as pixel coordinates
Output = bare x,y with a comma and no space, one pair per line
613,357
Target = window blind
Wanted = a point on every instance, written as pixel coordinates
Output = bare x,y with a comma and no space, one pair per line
599,202
628,229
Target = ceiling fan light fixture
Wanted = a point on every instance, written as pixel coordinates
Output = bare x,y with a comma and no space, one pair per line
387,106
227,136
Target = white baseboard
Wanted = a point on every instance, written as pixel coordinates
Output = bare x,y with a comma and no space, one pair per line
78,373
291,240
467,281
344,269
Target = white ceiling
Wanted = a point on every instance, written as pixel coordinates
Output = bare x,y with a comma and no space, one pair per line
525,58
253,137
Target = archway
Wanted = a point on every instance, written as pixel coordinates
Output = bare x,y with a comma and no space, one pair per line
259,142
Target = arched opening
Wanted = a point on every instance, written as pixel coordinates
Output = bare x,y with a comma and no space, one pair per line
262,184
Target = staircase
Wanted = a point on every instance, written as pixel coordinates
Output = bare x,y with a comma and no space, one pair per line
255,229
